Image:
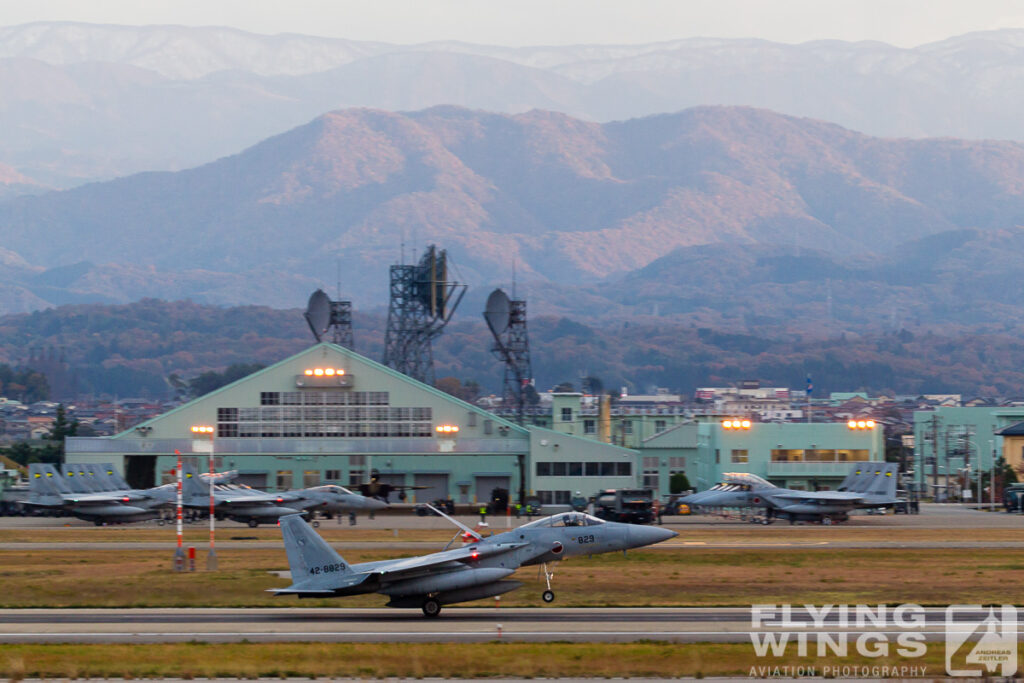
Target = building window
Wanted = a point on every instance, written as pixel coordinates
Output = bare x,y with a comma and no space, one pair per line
543,469
488,426
590,426
284,480
575,469
354,460
677,464
739,455
650,462
787,455
624,469
332,475
229,430
471,420
227,414
355,478
270,398
592,469
310,478
558,469
651,480
566,414
607,469
659,426
553,497
627,427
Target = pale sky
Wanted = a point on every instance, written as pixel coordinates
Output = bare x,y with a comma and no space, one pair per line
905,23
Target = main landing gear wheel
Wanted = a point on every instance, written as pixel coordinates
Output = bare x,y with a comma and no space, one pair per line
316,524
431,608
253,524
547,596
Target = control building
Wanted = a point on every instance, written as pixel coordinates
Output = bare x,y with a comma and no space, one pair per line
328,414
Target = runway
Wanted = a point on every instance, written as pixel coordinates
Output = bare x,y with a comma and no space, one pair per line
454,625
431,546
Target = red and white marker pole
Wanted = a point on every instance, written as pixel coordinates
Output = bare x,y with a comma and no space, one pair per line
179,554
211,559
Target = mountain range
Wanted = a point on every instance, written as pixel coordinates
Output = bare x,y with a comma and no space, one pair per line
581,211
87,102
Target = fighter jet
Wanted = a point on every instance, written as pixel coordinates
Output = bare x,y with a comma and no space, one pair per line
244,504
47,488
375,488
477,570
869,485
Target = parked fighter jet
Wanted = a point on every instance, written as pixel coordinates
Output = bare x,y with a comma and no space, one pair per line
244,504
375,488
869,485
47,488
477,570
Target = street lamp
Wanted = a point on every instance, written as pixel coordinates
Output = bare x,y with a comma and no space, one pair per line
206,430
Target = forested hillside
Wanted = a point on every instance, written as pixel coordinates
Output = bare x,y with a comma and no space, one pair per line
132,350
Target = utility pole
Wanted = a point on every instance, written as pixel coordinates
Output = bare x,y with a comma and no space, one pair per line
935,455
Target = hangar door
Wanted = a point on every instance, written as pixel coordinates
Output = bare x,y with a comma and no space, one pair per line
484,486
140,471
437,487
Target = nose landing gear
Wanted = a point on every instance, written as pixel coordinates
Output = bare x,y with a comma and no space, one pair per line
548,595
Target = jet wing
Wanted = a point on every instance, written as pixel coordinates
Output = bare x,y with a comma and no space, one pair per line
341,582
94,499
827,496
389,569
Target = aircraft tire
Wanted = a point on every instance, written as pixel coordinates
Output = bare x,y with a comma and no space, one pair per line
548,596
827,521
98,522
316,524
253,524
160,522
431,608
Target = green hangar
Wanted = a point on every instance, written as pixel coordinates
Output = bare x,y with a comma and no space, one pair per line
328,414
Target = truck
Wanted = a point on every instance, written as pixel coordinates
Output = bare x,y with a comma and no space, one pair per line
633,506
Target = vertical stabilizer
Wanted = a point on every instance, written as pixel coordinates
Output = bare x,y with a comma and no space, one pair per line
309,556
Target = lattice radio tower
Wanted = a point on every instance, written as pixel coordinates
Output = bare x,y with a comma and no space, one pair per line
422,302
506,319
324,315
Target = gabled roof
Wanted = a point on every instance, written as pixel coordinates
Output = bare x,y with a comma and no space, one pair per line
345,352
1016,429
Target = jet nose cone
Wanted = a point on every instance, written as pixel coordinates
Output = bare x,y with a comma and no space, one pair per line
374,504
640,536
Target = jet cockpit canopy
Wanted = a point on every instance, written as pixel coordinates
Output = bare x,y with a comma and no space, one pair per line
747,480
566,519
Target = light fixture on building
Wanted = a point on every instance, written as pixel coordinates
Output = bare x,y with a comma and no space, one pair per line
861,424
736,424
202,429
447,430
323,372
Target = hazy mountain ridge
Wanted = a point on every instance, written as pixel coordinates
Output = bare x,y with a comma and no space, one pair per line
85,102
568,201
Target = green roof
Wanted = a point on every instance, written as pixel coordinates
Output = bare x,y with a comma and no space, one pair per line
346,352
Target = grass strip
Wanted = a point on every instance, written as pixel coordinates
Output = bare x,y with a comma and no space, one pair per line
670,578
419,660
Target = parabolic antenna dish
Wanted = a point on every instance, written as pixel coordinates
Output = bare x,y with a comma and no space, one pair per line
318,312
498,311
